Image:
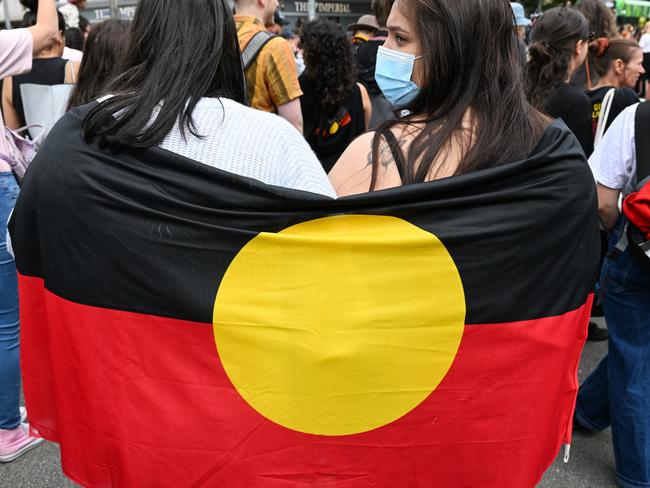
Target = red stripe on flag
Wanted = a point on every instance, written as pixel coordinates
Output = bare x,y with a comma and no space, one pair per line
138,400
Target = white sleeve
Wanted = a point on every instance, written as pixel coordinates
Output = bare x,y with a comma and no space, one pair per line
644,42
10,248
301,169
613,162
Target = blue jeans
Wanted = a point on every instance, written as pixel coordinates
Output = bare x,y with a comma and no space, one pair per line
9,325
617,393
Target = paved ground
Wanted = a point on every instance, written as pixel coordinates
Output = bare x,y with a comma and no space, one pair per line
591,464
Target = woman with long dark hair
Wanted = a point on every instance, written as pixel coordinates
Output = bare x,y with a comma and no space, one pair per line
182,88
559,44
335,108
102,61
461,79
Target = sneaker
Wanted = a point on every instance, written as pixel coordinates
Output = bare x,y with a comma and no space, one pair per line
16,442
596,334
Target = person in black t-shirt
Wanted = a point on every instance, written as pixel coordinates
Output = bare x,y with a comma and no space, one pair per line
367,59
560,41
335,109
618,64
559,46
602,23
48,68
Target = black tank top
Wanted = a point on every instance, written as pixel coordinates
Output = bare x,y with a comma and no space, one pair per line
330,134
45,71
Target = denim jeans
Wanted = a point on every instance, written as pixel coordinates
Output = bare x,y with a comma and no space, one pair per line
9,325
617,393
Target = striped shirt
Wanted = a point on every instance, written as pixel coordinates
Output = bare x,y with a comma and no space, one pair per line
272,78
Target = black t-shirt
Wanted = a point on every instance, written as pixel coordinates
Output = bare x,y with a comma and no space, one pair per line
329,134
623,98
45,71
573,106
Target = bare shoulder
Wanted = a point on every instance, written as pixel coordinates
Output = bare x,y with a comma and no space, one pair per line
352,174
363,90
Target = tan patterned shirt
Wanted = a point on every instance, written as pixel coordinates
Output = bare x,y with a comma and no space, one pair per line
272,78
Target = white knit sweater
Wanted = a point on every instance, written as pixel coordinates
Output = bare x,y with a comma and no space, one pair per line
248,142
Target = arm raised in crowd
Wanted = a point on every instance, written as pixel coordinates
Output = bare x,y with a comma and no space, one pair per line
46,29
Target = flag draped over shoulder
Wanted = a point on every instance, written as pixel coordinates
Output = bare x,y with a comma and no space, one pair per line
183,326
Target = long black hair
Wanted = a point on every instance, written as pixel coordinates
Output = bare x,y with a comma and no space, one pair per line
472,74
553,42
102,60
330,62
178,53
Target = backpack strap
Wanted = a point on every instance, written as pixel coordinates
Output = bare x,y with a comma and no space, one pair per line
254,47
642,140
604,115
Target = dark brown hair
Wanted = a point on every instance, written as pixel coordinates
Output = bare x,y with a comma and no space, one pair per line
472,68
601,19
102,60
603,53
553,42
330,62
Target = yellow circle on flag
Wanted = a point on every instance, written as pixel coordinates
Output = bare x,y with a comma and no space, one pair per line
339,325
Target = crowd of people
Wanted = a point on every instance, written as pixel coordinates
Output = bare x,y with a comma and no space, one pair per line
421,90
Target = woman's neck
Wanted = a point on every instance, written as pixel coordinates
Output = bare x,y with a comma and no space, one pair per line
609,79
50,53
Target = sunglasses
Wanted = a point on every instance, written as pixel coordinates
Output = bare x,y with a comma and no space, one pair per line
590,37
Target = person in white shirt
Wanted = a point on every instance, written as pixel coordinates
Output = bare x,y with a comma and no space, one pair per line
70,11
644,42
184,90
617,393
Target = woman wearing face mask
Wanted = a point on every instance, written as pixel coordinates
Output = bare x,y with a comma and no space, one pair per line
618,63
468,110
559,46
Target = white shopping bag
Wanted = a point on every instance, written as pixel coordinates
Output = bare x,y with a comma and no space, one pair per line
44,105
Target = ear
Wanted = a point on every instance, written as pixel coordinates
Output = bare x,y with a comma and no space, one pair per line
581,45
619,66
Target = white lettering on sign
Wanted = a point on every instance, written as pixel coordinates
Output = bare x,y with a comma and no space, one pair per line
325,7
127,13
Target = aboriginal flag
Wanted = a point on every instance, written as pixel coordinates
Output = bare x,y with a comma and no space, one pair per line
187,327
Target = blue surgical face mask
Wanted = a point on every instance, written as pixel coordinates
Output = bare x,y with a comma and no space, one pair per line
393,73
